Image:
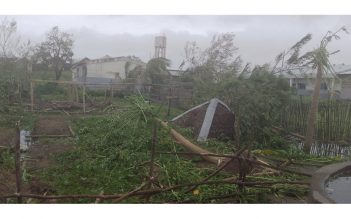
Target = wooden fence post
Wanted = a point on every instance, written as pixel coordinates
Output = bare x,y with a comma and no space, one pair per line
18,165
84,98
152,158
153,144
32,95
112,92
77,94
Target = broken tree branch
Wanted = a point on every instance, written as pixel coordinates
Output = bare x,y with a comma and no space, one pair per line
258,162
230,180
219,169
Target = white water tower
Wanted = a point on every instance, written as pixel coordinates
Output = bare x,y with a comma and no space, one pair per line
160,47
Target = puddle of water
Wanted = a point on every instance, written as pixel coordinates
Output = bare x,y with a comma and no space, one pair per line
339,188
25,140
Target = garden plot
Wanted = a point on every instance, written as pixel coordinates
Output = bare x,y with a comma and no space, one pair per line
51,126
43,148
7,136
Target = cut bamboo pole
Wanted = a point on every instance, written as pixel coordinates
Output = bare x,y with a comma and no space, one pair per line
193,147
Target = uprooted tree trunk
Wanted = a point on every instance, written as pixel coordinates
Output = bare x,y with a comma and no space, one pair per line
312,114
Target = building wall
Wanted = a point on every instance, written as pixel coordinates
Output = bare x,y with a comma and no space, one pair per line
305,86
346,87
112,70
78,73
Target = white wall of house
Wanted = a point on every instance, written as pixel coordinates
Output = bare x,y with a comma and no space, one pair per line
303,79
109,68
346,87
77,73
112,70
309,83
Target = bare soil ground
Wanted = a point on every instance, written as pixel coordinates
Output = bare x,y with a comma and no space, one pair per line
7,136
51,125
39,156
7,182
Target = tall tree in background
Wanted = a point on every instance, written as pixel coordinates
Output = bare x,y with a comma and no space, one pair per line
8,38
255,95
316,59
56,50
157,70
215,63
15,60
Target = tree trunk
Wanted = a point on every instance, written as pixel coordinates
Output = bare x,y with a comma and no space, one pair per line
58,72
57,75
312,114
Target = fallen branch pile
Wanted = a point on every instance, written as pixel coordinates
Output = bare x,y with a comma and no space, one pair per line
143,193
138,192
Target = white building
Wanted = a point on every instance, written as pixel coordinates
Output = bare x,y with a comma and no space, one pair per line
337,83
104,70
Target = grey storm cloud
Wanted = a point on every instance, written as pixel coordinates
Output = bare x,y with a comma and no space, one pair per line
259,38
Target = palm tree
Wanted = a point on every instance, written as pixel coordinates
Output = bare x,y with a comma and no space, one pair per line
316,59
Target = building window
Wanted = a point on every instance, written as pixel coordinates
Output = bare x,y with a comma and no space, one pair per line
324,86
301,86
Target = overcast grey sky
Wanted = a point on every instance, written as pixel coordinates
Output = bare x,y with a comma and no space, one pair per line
259,38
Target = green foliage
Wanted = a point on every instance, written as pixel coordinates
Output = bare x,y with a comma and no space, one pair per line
157,70
255,101
14,80
273,141
291,152
49,88
255,96
7,161
56,51
112,153
28,120
219,147
48,74
215,63
14,57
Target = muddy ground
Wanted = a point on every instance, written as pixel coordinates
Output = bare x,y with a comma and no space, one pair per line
7,136
51,125
39,156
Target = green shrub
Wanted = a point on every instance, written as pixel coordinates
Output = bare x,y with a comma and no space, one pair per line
7,161
49,89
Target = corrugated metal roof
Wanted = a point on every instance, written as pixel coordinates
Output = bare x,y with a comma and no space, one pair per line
308,72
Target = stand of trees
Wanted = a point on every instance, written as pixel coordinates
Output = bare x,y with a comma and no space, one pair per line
17,58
